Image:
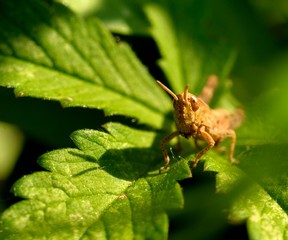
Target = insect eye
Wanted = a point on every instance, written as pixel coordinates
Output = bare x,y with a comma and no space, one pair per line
194,99
194,102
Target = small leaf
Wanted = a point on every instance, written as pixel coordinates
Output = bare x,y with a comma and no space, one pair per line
108,188
89,69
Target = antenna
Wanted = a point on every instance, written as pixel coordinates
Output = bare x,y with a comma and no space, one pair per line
168,90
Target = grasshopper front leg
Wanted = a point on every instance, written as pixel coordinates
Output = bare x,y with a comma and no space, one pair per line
163,149
208,138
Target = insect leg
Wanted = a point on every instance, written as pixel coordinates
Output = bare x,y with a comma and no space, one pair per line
163,149
208,89
231,133
208,138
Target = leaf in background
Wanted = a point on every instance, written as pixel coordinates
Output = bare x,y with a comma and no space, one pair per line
265,216
124,17
11,144
109,188
191,50
259,186
48,52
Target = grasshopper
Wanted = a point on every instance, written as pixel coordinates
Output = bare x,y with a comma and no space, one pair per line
195,119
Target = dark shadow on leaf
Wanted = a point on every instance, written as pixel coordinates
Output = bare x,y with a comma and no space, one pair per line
133,163
86,171
130,164
84,155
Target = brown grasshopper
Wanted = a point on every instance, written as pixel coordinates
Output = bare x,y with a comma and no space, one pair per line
194,118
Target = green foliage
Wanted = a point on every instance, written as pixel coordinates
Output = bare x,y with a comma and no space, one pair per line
185,42
99,191
125,17
251,201
88,70
108,187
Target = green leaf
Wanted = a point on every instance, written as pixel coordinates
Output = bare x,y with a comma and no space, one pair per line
191,50
48,52
125,17
264,211
258,188
109,188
